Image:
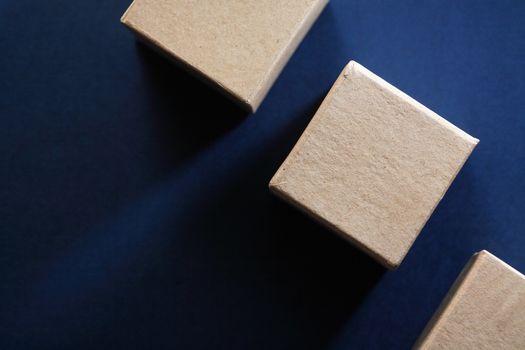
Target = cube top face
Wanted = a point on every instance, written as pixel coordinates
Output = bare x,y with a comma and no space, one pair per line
240,46
372,164
485,309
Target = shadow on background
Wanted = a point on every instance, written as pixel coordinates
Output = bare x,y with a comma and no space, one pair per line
134,216
278,279
189,115
197,253
249,271
235,269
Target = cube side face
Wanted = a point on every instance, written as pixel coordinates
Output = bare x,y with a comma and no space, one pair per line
485,311
374,164
240,46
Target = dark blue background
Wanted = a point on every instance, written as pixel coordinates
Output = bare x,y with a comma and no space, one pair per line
134,210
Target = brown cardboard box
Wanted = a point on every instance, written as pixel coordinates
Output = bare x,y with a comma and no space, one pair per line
372,164
484,309
238,46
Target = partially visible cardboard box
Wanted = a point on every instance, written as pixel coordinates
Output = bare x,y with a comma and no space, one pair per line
238,46
484,309
372,164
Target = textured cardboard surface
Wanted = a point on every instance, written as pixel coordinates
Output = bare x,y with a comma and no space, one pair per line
372,164
239,46
484,309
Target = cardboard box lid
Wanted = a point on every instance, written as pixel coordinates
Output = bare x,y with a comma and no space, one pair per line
372,164
240,46
484,309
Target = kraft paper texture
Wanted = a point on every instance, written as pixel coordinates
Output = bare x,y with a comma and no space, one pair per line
237,46
372,164
484,309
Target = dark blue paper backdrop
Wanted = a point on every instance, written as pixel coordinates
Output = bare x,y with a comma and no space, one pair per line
134,210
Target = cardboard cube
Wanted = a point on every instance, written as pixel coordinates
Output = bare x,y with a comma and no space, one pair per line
484,309
372,164
238,46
